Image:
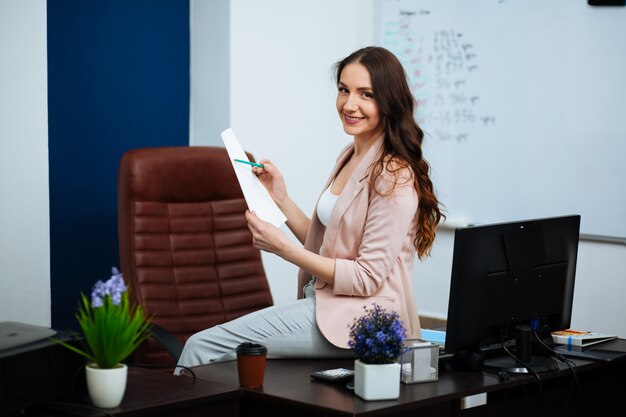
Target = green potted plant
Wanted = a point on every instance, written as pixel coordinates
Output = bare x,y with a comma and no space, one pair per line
377,340
112,329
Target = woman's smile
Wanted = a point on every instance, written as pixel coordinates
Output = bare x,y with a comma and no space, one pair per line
352,120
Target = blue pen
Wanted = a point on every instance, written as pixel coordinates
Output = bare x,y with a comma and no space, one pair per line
254,164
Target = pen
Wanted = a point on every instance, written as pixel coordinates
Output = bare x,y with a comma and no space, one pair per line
254,164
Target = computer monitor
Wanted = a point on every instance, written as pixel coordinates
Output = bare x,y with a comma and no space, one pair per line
512,281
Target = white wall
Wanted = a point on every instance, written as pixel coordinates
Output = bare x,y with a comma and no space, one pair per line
24,218
209,71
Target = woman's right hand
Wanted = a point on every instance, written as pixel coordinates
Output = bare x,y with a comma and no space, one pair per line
272,180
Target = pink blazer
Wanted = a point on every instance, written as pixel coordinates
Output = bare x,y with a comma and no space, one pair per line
371,238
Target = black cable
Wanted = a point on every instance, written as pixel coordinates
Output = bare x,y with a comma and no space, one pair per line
529,369
159,365
574,382
560,357
569,364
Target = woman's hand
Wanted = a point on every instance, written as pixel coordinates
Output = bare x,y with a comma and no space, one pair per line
269,238
266,236
272,180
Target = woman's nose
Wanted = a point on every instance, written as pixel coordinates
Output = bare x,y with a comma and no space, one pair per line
350,104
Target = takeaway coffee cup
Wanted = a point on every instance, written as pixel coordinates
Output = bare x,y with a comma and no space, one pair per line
251,364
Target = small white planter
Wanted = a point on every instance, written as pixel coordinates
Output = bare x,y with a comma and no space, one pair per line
377,382
106,386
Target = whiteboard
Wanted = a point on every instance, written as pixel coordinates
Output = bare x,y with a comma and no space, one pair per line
521,102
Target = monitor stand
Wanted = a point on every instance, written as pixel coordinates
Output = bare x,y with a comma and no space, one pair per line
527,362
539,364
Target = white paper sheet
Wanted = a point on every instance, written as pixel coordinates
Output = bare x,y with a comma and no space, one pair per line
257,197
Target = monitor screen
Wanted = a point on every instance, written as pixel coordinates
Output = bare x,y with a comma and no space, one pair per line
507,276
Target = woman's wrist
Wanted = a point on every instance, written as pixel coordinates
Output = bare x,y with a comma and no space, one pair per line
283,202
297,221
323,268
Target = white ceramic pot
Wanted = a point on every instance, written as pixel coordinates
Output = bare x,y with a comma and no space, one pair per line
377,382
106,386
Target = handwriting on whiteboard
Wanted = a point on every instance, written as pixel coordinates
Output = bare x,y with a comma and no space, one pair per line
441,66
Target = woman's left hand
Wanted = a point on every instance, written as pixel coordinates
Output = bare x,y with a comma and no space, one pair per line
266,236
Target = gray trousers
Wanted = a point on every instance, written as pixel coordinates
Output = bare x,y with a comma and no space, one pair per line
288,331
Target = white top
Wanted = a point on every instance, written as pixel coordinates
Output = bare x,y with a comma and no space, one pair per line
325,205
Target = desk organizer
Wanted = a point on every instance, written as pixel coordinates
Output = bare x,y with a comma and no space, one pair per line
419,362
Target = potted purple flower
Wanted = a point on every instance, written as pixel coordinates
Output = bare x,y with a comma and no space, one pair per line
377,340
112,330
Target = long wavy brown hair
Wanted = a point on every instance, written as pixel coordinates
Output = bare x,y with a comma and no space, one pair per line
403,136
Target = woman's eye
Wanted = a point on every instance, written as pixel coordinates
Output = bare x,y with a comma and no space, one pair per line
342,89
368,95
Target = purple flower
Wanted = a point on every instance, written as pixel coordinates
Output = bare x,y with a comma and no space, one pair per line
114,287
96,301
99,291
378,336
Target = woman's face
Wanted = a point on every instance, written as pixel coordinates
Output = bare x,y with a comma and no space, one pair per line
356,103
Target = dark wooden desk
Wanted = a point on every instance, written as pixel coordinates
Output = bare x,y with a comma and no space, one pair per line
288,390
157,393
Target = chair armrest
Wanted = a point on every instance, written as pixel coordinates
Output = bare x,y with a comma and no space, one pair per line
170,343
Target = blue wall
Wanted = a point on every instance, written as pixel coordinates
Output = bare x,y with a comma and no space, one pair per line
118,78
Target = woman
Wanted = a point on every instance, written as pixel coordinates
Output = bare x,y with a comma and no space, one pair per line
377,209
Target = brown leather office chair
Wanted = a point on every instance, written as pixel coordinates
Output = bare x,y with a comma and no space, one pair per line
185,248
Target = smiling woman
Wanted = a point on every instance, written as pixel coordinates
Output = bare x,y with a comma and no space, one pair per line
358,248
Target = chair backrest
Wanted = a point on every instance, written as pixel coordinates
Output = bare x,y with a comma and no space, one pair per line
185,248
